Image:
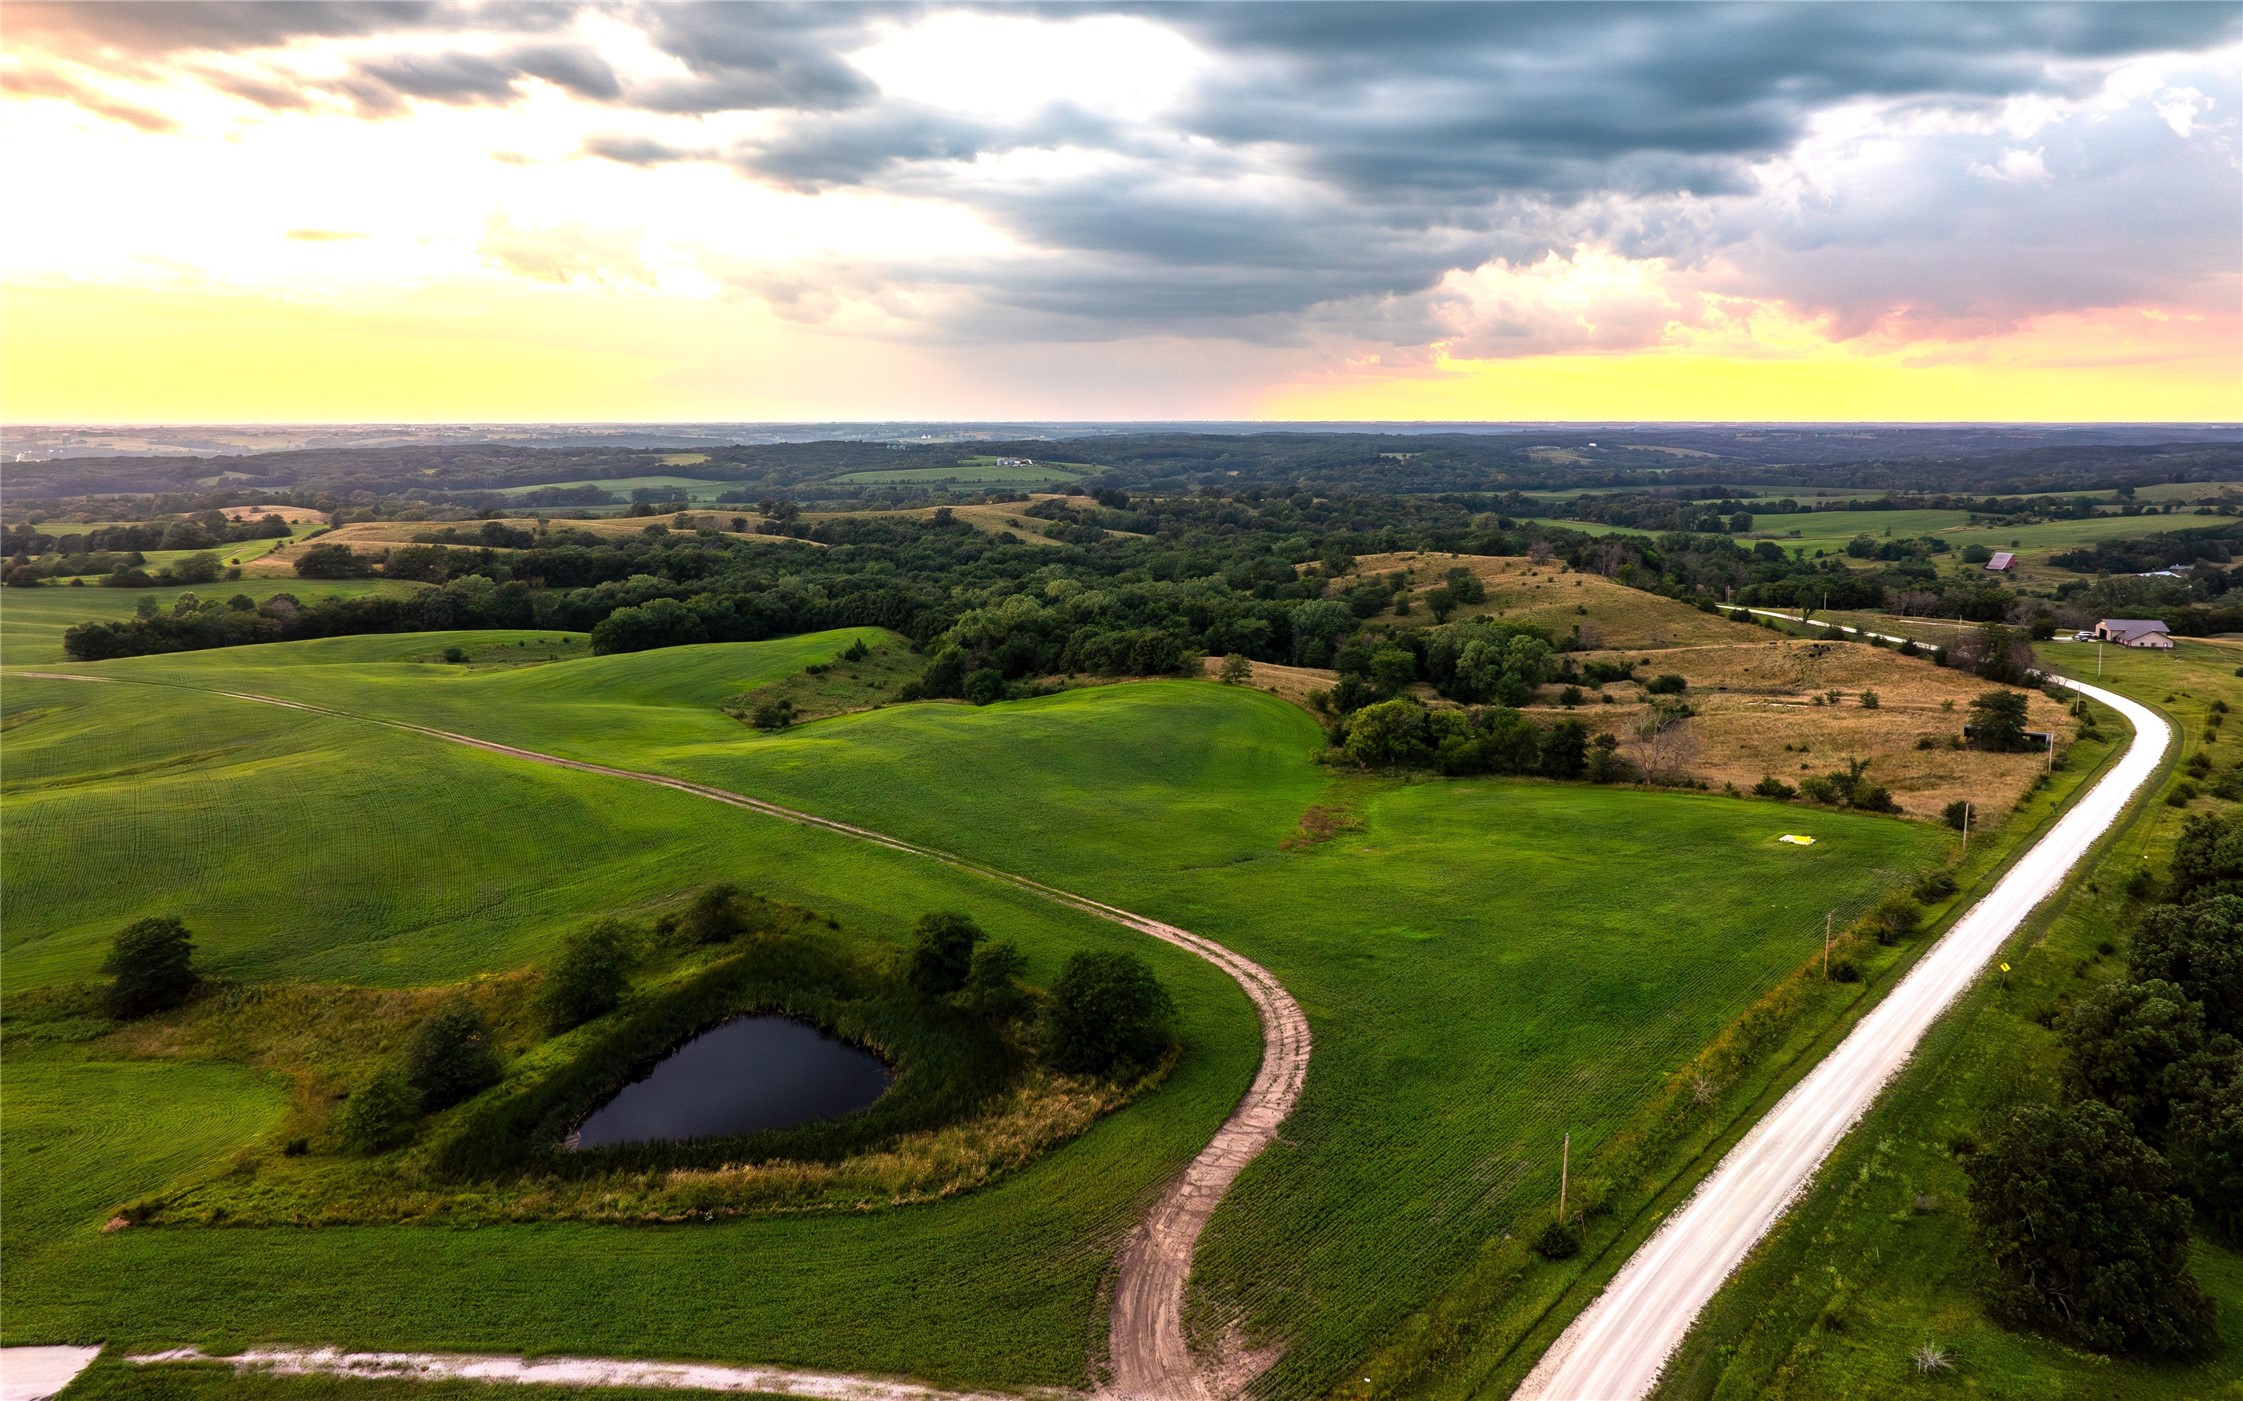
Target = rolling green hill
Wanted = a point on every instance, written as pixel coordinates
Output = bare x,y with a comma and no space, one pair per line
1486,965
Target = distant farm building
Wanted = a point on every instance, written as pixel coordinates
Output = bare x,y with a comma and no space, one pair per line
2002,562
2134,632
1016,462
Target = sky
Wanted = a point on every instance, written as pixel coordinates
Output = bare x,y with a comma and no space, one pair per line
382,211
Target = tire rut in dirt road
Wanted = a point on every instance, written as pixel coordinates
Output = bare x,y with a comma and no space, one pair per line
1149,1358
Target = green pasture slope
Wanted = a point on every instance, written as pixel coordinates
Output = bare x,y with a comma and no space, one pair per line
303,846
32,621
1486,964
1875,1261
687,488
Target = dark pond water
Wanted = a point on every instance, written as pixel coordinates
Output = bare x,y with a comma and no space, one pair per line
748,1074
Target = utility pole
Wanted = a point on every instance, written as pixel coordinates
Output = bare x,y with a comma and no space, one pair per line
1966,827
1826,914
2098,658
1565,1171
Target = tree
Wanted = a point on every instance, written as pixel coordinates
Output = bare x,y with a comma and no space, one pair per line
1956,814
993,981
772,713
2139,1046
2083,1234
2208,858
332,562
380,1115
1441,602
984,686
2199,949
152,963
942,953
1389,732
1237,670
590,978
1997,721
450,1058
1565,749
1109,1016
2204,1144
1740,523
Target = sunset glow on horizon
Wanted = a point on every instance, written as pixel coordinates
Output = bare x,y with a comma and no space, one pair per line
611,213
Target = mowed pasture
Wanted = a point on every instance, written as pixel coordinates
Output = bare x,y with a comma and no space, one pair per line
1487,965
301,846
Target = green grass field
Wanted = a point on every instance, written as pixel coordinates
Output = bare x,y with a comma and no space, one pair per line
1859,1276
1486,964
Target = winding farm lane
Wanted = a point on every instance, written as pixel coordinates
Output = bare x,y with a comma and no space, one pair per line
1149,1358
1617,1348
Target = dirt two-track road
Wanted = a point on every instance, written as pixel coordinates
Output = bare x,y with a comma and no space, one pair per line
1148,1357
1618,1346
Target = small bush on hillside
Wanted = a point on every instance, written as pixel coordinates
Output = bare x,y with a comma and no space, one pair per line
590,978
856,651
380,1116
1870,700
942,953
717,914
1771,786
2083,1235
1956,814
450,1058
1109,1016
1666,684
1237,669
775,713
152,963
1934,886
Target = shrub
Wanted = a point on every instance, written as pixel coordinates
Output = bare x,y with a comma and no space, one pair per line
380,1116
1957,814
1935,885
1844,971
455,655
1870,700
774,713
942,953
1893,918
450,1058
1236,669
984,686
590,978
1109,1016
1557,1241
2083,1235
856,651
1666,684
717,914
152,963
1771,786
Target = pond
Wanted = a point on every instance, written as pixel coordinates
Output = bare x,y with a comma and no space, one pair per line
750,1073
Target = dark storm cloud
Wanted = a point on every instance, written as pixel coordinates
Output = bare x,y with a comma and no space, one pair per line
1353,154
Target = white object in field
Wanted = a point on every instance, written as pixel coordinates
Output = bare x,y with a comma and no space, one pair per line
1796,840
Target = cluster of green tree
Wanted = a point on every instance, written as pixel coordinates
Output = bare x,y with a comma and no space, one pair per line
30,571
1849,787
2083,1210
1106,1016
2001,459
202,531
2212,544
1922,547
1487,739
